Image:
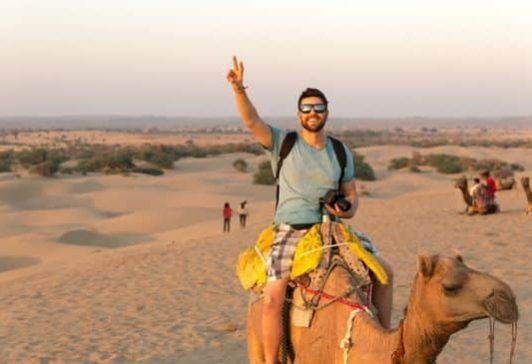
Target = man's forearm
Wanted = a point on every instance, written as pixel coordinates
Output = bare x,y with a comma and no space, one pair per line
245,108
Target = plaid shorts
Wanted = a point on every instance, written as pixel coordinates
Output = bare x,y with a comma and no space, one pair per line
279,261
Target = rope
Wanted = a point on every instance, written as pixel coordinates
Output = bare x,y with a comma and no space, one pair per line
514,341
260,255
491,337
322,248
346,342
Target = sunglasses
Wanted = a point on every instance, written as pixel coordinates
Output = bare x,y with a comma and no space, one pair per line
306,108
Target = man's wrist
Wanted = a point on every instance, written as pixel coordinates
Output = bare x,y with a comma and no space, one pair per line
239,88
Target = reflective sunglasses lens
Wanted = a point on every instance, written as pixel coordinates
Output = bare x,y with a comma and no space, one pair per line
320,108
305,108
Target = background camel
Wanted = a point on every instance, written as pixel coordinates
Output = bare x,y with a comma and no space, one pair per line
525,182
481,203
462,185
445,296
505,183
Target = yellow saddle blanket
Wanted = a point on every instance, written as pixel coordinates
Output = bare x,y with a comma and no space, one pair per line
251,263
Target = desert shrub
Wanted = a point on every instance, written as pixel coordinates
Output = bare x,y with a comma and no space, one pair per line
445,163
398,163
117,161
6,158
240,165
160,155
5,166
363,170
149,171
516,167
264,175
413,168
67,170
44,169
30,157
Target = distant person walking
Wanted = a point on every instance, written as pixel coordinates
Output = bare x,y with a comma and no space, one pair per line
243,213
227,213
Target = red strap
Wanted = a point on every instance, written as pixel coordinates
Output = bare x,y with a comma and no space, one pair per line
331,297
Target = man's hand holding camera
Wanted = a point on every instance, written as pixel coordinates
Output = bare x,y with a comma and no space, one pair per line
337,204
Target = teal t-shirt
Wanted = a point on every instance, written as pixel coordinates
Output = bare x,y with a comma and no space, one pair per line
306,175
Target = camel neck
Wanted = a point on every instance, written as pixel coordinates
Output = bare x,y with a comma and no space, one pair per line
467,196
528,192
422,338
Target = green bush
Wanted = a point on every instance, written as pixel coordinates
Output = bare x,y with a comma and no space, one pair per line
363,171
149,171
240,165
264,176
445,163
44,169
31,157
5,166
161,155
398,163
6,158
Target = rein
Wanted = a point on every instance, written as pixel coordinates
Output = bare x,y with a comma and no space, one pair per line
491,338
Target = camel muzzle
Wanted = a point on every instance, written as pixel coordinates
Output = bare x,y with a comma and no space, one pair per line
501,305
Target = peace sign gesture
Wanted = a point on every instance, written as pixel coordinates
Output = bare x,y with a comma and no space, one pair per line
235,76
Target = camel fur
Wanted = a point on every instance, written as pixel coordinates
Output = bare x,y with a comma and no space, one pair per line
525,182
445,296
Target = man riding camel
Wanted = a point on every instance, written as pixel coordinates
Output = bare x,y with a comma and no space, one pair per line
309,171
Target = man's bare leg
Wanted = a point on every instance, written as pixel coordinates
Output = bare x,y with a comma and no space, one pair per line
383,296
274,293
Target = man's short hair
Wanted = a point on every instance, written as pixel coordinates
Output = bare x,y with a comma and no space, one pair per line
312,92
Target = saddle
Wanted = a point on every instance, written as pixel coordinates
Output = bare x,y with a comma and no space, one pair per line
312,256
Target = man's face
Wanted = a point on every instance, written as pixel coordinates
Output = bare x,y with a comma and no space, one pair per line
312,121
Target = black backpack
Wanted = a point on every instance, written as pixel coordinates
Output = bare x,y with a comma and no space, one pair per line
288,144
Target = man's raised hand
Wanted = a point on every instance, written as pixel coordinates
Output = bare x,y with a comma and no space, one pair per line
235,76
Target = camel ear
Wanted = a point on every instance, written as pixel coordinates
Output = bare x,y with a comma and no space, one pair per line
424,265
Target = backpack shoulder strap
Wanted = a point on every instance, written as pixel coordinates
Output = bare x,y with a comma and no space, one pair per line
341,157
286,146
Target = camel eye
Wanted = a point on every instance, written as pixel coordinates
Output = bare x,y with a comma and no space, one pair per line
451,290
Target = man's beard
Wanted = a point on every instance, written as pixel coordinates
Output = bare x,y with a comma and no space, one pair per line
313,129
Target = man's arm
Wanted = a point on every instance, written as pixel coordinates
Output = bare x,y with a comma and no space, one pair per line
260,130
349,190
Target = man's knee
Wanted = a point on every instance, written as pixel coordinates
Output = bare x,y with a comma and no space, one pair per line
274,296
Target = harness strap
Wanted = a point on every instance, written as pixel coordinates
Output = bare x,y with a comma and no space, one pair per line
346,342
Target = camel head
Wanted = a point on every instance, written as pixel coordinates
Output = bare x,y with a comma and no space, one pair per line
452,293
525,182
461,183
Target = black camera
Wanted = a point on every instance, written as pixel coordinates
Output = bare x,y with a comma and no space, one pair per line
333,197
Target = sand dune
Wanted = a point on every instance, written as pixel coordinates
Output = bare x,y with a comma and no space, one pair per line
169,293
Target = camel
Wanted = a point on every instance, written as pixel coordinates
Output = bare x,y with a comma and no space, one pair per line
479,204
462,185
525,182
445,296
505,183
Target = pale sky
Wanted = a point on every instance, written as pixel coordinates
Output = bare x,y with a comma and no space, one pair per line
162,57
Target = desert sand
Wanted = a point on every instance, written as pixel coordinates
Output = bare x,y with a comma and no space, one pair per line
114,269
